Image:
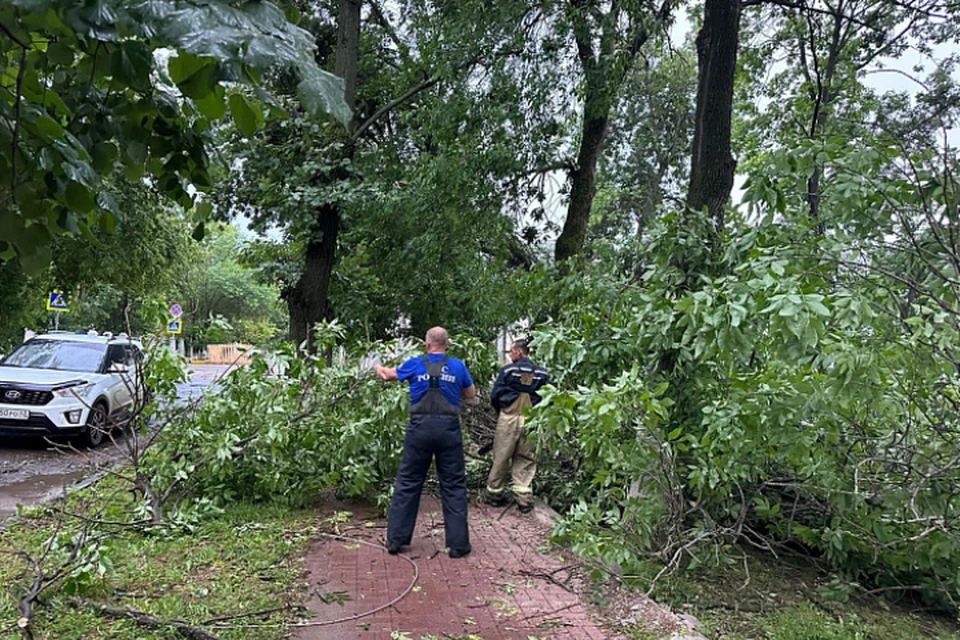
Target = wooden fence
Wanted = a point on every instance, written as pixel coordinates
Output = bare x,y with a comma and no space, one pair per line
229,354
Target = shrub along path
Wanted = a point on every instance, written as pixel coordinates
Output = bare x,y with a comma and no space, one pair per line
513,585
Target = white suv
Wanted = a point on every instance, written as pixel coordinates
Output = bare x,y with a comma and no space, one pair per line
69,384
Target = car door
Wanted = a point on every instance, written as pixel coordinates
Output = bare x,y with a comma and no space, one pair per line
136,373
121,381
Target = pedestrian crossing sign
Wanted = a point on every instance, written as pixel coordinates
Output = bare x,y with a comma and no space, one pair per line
175,326
57,301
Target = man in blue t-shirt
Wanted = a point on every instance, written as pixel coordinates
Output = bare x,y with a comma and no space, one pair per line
437,382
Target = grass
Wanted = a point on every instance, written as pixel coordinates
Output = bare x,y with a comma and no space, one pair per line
244,560
773,600
247,559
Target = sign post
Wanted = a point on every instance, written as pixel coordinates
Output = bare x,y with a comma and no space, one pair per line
175,325
57,302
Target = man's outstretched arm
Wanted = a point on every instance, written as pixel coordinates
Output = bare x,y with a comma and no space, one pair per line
469,394
387,374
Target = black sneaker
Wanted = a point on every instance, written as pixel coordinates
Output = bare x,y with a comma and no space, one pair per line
458,553
394,549
527,508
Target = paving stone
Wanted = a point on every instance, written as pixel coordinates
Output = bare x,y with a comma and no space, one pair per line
507,588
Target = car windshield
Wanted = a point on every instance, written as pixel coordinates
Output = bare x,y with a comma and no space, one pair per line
60,355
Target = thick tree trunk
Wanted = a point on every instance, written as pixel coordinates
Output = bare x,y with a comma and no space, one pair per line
584,183
308,301
712,165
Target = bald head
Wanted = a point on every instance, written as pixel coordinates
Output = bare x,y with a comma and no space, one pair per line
437,340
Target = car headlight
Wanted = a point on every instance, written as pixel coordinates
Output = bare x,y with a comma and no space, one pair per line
76,391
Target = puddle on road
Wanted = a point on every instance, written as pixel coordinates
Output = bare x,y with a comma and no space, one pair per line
35,489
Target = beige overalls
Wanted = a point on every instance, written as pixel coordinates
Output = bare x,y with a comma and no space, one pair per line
510,447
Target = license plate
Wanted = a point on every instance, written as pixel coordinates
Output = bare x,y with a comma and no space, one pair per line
15,414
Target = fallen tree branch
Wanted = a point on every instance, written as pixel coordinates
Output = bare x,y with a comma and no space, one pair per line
551,613
252,614
26,606
546,577
146,620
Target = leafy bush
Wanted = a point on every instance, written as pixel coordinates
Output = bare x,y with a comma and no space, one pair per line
778,397
288,427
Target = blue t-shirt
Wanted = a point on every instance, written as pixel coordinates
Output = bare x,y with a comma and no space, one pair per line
415,370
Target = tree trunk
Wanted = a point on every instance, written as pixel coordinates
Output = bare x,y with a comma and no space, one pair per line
821,95
821,108
348,51
584,183
712,165
308,301
605,66
814,193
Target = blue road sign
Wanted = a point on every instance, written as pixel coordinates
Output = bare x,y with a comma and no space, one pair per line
57,301
175,326
176,310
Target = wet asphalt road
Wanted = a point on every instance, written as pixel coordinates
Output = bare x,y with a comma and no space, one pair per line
32,470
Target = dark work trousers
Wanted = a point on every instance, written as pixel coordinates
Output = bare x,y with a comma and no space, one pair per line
433,433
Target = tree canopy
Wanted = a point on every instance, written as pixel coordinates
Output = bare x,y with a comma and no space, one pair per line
134,87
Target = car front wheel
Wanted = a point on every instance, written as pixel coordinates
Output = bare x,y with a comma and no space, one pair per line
96,426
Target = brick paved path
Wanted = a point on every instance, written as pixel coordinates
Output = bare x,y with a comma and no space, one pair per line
511,586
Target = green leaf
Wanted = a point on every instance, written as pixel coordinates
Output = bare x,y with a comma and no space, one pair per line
183,66
292,13
108,222
60,54
35,263
104,156
107,202
27,199
202,211
213,105
321,91
244,115
199,232
79,198
818,307
133,172
49,127
132,64
195,77
136,152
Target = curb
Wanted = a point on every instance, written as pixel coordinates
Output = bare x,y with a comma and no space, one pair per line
645,606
